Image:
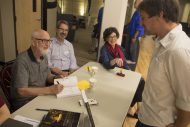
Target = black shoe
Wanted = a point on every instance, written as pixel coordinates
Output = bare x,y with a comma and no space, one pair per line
133,116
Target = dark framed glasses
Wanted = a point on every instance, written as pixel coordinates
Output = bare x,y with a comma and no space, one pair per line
63,29
44,41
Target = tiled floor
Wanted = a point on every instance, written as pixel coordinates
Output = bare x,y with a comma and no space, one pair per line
82,44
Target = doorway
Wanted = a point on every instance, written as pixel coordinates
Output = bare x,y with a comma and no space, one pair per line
28,18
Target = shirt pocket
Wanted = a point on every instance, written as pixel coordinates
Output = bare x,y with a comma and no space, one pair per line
66,54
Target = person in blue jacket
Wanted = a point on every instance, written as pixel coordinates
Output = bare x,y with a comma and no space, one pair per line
111,56
134,31
100,17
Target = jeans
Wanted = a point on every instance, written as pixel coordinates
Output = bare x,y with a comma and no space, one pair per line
134,47
138,94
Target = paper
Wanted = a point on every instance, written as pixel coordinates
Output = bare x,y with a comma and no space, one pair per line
33,122
70,86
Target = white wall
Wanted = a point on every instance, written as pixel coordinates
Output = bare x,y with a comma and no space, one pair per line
51,20
7,37
95,5
186,12
114,16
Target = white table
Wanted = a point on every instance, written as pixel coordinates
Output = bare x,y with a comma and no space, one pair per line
113,93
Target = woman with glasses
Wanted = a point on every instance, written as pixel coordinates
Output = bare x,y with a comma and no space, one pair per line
111,56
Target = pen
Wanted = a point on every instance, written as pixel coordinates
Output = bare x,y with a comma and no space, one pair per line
58,82
39,109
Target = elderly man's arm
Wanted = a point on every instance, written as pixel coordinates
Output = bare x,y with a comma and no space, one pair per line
54,89
35,91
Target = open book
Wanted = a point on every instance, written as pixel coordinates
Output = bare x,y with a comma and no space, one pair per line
70,86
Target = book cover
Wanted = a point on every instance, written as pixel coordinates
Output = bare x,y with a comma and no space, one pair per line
60,118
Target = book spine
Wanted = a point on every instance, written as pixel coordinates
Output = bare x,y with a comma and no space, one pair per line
89,114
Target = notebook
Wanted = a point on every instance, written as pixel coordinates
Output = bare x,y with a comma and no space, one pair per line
70,86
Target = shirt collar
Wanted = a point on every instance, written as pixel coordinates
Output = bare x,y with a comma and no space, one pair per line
58,42
167,40
31,55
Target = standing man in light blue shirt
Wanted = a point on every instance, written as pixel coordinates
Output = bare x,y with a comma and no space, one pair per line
61,57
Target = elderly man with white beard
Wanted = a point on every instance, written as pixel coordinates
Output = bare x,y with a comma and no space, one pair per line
31,73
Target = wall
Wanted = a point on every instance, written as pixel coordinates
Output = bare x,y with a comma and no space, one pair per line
186,11
7,36
188,20
1,41
51,20
95,6
129,11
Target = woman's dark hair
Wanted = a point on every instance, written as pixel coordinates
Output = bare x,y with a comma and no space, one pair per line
62,22
109,31
170,9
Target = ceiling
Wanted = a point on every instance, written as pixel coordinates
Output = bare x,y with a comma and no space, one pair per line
79,7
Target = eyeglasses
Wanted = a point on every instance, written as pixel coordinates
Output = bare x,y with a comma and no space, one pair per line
146,18
44,41
66,30
112,37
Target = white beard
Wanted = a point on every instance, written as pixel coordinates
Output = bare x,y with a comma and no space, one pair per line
43,52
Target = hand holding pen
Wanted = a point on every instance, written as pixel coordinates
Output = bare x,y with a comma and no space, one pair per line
57,88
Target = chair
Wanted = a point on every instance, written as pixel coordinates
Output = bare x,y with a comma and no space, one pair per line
5,80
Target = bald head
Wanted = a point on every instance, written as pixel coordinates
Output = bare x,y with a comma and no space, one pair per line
40,34
40,42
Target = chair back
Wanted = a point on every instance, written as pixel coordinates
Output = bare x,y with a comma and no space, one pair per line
6,80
